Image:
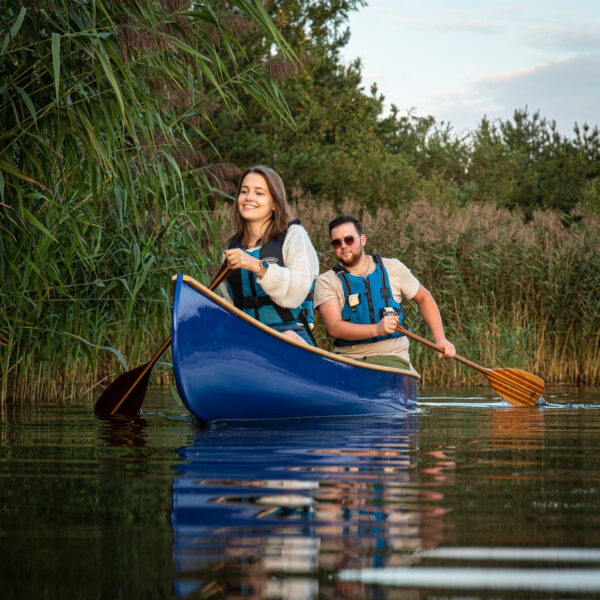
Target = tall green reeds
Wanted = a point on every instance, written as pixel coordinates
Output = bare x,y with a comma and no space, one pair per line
105,191
512,292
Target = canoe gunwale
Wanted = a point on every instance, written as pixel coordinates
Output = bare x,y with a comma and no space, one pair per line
255,323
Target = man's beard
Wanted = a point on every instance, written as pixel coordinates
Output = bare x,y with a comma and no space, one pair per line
350,261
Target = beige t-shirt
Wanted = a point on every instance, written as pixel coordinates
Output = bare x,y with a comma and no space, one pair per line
402,284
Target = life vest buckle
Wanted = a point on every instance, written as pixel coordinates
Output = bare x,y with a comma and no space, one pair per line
353,300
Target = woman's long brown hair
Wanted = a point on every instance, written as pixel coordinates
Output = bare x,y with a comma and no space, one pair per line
282,214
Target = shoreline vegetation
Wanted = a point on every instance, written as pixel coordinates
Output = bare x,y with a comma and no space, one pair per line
512,293
124,126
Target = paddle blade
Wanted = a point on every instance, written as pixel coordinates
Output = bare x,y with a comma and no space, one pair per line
124,396
515,386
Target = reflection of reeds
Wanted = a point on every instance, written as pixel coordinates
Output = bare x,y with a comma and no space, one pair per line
512,292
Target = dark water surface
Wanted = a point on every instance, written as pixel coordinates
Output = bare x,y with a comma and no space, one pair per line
465,498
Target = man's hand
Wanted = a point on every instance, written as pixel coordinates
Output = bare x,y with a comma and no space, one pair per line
449,349
387,325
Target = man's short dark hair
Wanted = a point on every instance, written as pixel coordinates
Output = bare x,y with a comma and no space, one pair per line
346,219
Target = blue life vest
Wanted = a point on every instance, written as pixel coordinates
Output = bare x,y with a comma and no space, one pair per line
366,299
248,295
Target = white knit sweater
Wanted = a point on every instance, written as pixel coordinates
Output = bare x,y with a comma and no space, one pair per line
288,286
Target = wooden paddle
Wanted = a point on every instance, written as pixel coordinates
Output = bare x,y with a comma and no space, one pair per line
513,385
124,396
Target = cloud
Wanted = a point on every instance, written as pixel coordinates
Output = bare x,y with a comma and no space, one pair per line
581,39
541,31
508,11
456,26
539,54
566,91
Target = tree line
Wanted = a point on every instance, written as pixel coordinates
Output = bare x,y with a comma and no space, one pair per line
345,146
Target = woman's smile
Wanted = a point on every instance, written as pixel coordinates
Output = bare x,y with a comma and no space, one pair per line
255,201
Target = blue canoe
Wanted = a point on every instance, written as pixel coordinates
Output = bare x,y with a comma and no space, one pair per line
229,366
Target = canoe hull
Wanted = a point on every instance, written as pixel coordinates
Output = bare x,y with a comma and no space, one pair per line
228,366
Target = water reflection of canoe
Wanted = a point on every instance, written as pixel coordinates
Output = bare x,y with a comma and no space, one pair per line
229,366
260,509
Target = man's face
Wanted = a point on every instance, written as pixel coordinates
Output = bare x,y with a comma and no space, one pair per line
347,244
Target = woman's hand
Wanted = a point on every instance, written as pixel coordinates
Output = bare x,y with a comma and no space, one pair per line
239,259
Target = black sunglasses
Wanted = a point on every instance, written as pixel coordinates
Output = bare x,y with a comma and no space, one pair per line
348,240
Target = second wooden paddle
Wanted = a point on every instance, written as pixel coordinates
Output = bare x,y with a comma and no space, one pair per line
513,385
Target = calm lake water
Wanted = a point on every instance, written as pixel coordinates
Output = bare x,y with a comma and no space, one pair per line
465,498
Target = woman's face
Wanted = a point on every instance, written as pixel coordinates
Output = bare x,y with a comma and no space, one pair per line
255,201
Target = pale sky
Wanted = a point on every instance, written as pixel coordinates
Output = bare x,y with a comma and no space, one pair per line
459,60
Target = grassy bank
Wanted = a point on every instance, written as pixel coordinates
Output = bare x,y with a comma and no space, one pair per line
92,294
85,305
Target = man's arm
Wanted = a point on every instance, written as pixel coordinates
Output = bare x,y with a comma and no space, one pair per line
344,330
431,313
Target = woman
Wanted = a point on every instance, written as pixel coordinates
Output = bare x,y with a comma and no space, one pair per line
274,262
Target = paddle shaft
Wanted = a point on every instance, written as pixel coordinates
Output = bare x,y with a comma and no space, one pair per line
465,361
513,385
223,270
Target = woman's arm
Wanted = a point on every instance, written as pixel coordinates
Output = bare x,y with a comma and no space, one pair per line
288,286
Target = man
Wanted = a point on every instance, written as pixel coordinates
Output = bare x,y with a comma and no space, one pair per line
360,300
